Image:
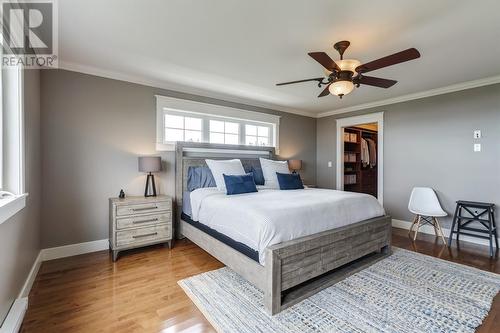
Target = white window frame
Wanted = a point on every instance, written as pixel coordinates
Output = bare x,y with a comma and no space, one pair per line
207,112
12,156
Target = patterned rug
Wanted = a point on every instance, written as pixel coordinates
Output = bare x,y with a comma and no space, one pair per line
406,292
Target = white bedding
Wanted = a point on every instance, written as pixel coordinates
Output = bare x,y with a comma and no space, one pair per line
272,216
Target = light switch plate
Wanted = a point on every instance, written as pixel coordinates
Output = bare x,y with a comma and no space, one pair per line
477,134
477,147
330,164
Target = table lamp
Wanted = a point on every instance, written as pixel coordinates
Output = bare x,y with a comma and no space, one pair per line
295,165
150,164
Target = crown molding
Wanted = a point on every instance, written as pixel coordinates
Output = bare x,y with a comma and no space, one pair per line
177,88
423,94
220,96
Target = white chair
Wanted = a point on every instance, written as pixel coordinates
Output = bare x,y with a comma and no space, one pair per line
425,205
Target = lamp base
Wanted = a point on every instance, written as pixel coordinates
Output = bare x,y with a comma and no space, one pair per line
150,183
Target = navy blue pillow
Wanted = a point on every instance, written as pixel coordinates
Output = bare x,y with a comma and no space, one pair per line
199,177
239,184
258,175
289,181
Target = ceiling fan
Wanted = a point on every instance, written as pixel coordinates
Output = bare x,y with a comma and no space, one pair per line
342,75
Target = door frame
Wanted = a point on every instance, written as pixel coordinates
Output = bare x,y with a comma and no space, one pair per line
378,118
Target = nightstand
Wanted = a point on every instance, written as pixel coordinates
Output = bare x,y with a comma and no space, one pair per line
139,221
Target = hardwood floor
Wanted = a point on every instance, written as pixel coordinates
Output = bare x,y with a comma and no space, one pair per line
139,293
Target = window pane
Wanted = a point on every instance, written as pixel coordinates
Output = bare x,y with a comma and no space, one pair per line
192,136
216,126
173,135
232,128
174,121
232,139
263,131
263,141
250,140
250,130
216,137
193,123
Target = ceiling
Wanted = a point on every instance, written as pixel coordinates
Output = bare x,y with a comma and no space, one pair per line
238,49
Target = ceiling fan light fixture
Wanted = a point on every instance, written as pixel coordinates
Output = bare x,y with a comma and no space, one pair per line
348,65
345,65
341,88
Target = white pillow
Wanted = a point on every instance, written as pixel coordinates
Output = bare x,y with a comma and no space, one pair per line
228,167
269,169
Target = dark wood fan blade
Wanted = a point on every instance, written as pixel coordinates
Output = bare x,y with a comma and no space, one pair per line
376,81
393,59
319,79
325,60
325,91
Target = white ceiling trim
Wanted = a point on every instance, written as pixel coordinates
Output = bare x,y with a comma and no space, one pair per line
194,91
423,94
170,86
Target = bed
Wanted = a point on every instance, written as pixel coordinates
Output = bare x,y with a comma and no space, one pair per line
315,239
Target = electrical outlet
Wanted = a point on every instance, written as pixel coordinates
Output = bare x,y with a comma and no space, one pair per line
330,164
477,147
477,134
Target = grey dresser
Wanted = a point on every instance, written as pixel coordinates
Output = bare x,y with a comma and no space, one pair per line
139,221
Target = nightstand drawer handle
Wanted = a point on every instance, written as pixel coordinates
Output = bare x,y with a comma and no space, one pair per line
144,208
146,235
145,221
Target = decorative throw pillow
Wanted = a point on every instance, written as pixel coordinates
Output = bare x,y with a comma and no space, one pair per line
239,184
258,176
228,167
289,181
270,168
199,177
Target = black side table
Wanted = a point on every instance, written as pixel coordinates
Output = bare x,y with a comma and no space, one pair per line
481,212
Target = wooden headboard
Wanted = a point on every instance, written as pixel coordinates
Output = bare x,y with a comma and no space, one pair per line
194,154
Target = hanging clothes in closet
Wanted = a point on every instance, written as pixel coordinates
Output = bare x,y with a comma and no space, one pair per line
365,153
372,152
368,152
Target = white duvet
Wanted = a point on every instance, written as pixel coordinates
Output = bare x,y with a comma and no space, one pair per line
272,216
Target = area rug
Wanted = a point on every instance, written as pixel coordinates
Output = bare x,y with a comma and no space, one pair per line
406,292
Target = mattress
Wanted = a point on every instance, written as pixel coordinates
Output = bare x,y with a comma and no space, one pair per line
269,217
238,246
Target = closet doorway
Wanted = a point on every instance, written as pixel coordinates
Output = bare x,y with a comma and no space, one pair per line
360,154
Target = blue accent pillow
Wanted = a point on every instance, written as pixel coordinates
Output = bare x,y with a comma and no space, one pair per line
199,177
239,184
289,181
258,176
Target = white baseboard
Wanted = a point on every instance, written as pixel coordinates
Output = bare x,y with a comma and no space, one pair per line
31,276
428,229
74,249
15,317
16,313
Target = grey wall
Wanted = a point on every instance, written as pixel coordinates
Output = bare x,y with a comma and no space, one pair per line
92,131
428,142
20,235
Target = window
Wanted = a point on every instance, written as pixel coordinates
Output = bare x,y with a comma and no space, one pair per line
12,142
257,135
224,132
183,120
179,128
